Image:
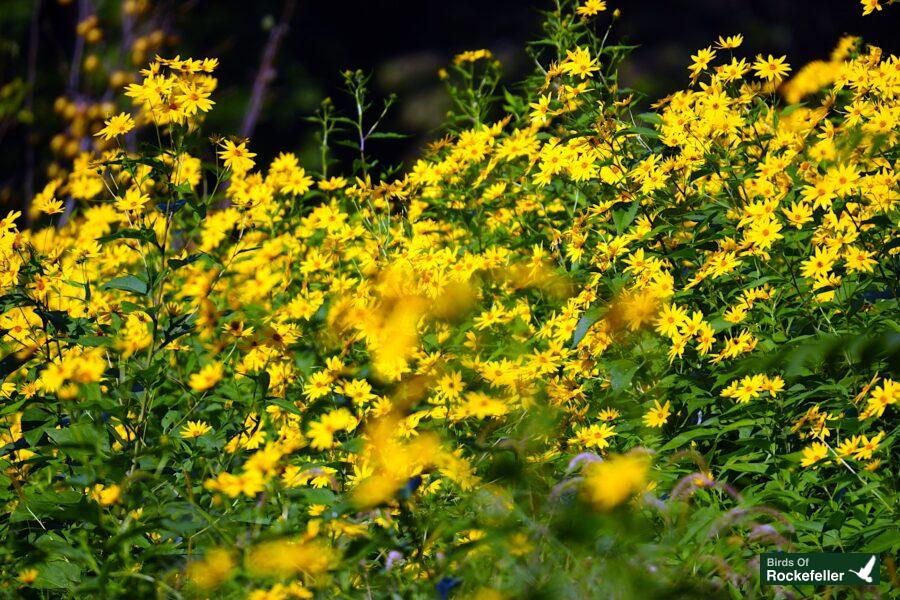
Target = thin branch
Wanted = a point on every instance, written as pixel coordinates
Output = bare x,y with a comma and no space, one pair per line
127,41
33,39
266,69
84,9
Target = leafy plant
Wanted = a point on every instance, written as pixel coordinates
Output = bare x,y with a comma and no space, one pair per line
574,350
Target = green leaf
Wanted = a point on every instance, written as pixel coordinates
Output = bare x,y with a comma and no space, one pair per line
178,327
57,574
787,111
40,505
683,438
386,135
888,540
621,372
584,324
145,235
650,117
129,283
644,131
623,218
177,263
10,364
288,406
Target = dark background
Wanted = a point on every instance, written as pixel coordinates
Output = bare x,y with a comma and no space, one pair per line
402,43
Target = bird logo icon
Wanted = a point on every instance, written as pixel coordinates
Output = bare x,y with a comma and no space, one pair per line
866,572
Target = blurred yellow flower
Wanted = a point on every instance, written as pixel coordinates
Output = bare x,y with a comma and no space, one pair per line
611,482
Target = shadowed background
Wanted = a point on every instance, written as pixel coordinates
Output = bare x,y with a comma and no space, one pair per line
402,43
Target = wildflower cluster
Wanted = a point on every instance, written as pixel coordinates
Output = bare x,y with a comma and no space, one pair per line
568,339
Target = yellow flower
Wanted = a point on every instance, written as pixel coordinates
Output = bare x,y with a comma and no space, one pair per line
771,68
763,233
611,482
49,206
332,184
287,558
207,377
848,446
591,8
481,405
133,200
867,446
580,62
859,260
798,214
701,60
735,314
818,265
814,453
321,432
193,98
359,391
595,436
471,56
249,483
105,495
750,386
657,415
869,6
730,42
237,157
608,414
842,178
118,125
670,319
135,335
773,385
886,394
195,429
214,569
27,576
